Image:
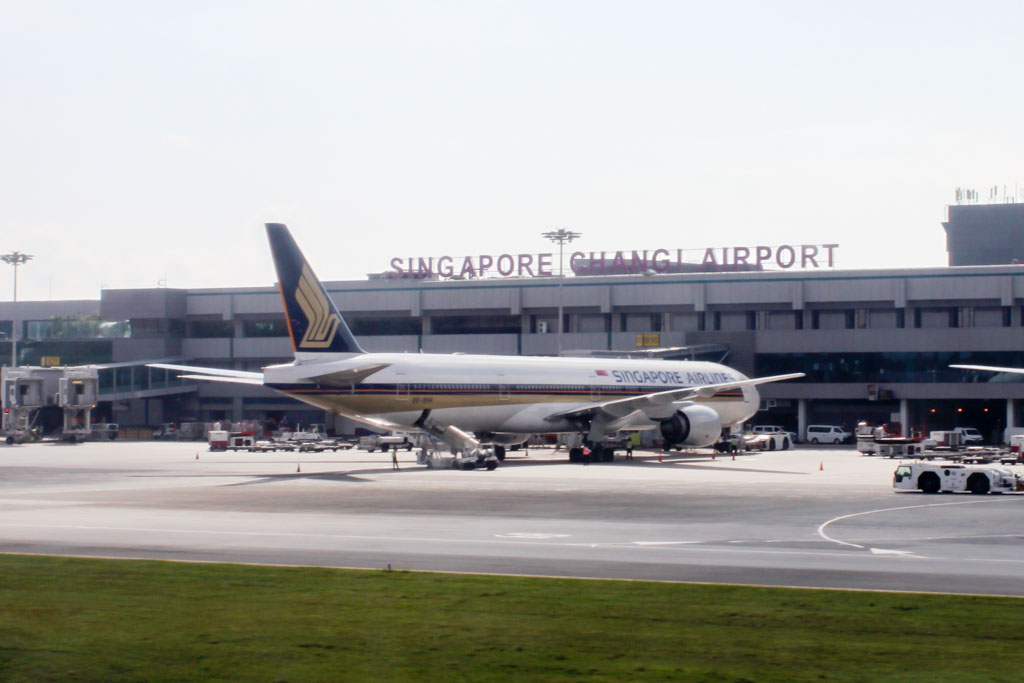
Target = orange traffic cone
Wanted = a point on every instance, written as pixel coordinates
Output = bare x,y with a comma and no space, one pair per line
299,468
659,457
734,457
527,452
713,455
821,466
197,455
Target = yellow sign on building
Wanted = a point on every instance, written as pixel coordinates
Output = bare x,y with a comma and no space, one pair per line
49,361
648,339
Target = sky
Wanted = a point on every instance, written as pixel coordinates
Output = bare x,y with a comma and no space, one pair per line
145,144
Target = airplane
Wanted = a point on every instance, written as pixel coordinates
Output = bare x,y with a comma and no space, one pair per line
478,404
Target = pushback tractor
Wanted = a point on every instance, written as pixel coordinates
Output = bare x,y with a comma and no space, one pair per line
933,478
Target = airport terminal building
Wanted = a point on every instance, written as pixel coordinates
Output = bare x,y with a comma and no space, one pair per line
875,344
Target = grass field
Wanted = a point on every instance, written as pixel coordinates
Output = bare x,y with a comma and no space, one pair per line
80,619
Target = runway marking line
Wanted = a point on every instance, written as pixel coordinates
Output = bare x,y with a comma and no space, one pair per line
532,536
448,541
824,525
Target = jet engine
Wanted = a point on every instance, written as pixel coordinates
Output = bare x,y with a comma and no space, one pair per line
694,426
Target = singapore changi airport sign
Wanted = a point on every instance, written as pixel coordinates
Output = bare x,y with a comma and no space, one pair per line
782,257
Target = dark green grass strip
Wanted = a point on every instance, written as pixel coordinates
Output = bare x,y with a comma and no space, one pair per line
78,619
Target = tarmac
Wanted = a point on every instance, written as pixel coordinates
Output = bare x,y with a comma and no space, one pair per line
811,517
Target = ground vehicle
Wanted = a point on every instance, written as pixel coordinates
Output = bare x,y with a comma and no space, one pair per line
969,435
192,431
826,434
384,442
949,440
314,432
166,431
771,429
106,431
777,440
935,477
222,440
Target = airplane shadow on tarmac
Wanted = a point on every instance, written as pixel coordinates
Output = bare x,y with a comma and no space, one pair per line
350,477
687,461
693,461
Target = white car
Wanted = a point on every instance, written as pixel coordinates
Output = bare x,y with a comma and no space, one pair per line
772,429
826,434
969,436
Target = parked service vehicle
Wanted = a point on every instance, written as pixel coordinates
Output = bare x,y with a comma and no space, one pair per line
192,431
384,442
932,478
826,434
778,440
946,439
314,432
105,431
772,429
222,440
969,436
166,431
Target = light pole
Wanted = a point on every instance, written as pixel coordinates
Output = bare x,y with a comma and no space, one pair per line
15,258
561,236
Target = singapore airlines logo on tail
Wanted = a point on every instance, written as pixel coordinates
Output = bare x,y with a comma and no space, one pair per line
320,322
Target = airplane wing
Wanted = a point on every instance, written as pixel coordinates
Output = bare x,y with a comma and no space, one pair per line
654,404
990,368
337,378
255,381
210,373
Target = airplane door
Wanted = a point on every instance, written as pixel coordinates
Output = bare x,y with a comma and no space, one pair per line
503,388
402,388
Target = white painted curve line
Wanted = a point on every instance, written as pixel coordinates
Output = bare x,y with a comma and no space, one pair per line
664,542
534,536
883,551
821,529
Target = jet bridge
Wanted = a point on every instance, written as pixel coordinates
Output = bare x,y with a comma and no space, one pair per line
23,396
78,390
25,390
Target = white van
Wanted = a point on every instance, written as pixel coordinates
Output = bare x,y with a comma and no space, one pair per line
826,434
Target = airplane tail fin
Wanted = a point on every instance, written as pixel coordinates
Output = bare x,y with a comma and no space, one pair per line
314,322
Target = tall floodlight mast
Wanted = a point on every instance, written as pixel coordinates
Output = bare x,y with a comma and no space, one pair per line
15,258
562,237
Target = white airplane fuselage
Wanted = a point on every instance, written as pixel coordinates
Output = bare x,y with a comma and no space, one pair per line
503,394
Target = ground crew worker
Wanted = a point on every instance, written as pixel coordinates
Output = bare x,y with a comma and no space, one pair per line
394,456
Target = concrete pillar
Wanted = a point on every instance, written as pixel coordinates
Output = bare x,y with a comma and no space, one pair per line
1011,414
236,409
155,410
801,419
904,417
